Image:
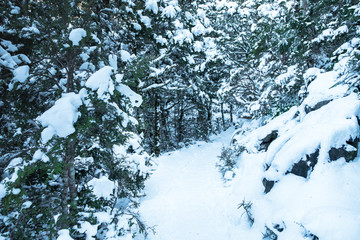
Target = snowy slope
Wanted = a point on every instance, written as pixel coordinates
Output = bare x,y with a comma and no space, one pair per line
186,198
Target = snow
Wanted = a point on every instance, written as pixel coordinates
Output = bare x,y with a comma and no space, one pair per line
76,35
27,204
15,10
2,191
21,73
161,40
113,61
169,12
102,187
183,35
198,30
137,26
323,88
284,78
59,119
198,46
101,82
330,126
134,98
330,34
151,5
125,56
146,21
64,234
39,155
88,229
186,198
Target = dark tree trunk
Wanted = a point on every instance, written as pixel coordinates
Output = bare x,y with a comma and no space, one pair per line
156,138
222,114
179,129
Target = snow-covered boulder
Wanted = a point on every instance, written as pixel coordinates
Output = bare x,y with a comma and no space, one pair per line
324,128
299,172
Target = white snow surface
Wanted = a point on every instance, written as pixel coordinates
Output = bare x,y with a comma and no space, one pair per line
186,198
76,35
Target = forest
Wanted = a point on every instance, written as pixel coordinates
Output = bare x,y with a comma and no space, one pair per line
93,91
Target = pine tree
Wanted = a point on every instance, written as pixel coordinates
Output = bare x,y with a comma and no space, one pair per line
49,188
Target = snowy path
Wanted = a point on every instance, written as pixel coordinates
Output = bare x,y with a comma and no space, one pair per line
186,198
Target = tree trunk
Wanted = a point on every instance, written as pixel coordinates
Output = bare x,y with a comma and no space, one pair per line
164,132
222,114
156,149
69,191
179,128
208,120
231,114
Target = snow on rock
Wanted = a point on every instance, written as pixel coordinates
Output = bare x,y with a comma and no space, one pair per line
329,127
76,35
323,89
102,187
59,119
300,170
101,82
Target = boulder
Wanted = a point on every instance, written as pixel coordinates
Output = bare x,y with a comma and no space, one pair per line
316,106
303,168
266,141
268,184
348,151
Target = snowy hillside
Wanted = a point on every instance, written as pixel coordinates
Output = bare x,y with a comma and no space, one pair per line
299,174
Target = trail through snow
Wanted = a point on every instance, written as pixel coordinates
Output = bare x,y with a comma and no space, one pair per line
186,198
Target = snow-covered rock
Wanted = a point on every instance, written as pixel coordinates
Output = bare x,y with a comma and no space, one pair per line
299,170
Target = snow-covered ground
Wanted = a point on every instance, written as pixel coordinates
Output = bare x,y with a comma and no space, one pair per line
186,198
